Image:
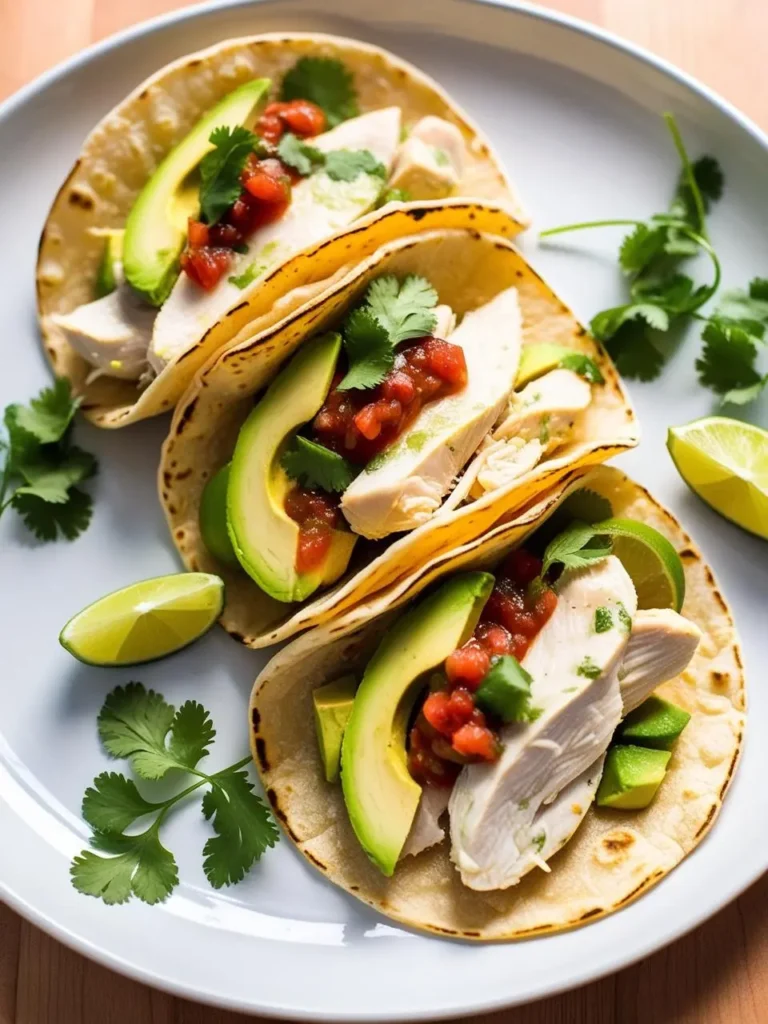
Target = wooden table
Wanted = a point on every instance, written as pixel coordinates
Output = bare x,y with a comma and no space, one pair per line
718,974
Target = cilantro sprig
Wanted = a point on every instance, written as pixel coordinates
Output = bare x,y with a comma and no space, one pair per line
578,546
394,310
220,169
313,465
40,467
156,738
326,82
338,164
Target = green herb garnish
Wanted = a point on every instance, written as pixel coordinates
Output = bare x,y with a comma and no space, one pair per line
326,82
576,547
348,164
220,170
506,691
40,468
584,365
603,619
299,154
315,466
589,669
139,725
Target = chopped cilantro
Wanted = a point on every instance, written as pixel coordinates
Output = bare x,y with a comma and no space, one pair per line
405,308
394,195
538,842
625,619
441,157
589,669
523,805
326,82
42,469
139,724
506,691
220,170
248,276
603,619
584,365
416,441
299,154
544,429
315,466
369,350
348,164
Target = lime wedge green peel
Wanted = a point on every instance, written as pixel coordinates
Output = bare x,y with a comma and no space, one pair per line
651,561
725,462
146,620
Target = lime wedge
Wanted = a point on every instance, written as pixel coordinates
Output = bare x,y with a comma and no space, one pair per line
651,561
725,462
146,620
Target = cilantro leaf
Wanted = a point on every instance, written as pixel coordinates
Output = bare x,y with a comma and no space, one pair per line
22,446
348,164
606,324
369,350
634,353
299,154
570,548
247,277
220,170
133,723
326,82
51,478
506,691
584,365
393,195
243,825
404,308
643,245
47,521
113,803
141,866
315,466
48,416
727,362
743,396
192,733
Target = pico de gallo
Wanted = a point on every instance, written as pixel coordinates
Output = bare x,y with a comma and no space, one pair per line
451,730
265,195
360,425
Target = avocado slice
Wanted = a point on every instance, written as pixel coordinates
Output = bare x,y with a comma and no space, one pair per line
656,723
156,229
213,517
631,777
332,704
536,360
264,538
380,794
106,279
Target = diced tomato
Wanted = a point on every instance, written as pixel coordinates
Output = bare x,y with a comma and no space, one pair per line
545,604
367,422
224,236
398,386
197,233
446,361
468,665
266,188
476,741
313,547
303,118
448,712
495,639
206,266
521,566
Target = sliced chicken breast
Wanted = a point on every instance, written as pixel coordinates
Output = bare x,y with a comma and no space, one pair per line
112,333
406,486
430,162
493,808
660,647
546,409
319,206
426,829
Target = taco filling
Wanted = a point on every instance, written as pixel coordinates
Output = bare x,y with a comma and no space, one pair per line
253,182
370,426
512,701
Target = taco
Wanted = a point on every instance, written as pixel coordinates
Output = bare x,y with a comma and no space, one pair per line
437,387
222,192
526,747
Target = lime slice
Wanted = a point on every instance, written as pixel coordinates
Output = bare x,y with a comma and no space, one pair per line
725,462
146,620
650,560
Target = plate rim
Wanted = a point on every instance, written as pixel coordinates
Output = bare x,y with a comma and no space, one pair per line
578,976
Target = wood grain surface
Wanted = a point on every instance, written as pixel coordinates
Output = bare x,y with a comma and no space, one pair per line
716,975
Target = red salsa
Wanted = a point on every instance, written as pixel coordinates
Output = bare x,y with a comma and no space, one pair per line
361,424
265,196
450,730
317,515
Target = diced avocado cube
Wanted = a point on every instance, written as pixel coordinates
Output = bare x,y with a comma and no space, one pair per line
333,706
631,777
656,723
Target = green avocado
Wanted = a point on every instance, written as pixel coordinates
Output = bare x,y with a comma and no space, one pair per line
332,704
631,777
656,723
380,794
264,538
156,229
106,280
536,360
213,518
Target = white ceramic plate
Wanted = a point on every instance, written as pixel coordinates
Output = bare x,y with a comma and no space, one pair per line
575,114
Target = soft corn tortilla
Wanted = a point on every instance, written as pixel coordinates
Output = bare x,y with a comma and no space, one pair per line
613,857
124,149
467,269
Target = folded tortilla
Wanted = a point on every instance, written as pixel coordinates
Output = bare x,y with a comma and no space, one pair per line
614,856
124,149
467,269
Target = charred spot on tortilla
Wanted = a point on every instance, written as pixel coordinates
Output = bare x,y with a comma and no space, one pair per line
255,718
261,754
707,821
186,415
